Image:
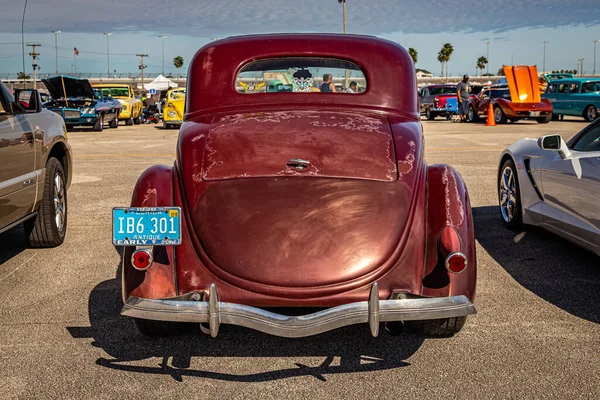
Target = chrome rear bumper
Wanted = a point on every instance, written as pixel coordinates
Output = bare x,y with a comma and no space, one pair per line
372,312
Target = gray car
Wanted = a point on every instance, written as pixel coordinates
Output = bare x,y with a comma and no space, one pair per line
554,184
35,168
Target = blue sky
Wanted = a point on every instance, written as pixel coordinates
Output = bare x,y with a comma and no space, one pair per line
517,28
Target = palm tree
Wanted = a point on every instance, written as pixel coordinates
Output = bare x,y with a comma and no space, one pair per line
414,54
481,63
448,50
178,63
23,75
442,59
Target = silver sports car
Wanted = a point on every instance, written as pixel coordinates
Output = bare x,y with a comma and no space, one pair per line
554,185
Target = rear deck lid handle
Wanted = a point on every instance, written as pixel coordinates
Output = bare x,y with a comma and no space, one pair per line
298,163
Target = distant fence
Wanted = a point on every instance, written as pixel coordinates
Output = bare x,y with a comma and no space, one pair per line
88,75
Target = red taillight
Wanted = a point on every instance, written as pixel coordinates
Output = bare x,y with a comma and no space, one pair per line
456,263
436,100
450,248
141,259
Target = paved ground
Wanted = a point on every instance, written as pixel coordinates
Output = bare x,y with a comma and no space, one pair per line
537,333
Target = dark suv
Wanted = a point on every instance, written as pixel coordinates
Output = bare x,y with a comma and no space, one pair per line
35,168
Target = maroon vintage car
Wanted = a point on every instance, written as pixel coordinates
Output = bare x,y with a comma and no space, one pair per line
305,199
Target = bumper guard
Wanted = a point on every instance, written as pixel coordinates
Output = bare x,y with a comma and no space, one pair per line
372,312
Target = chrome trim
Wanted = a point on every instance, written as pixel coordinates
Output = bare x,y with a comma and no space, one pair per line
447,262
372,311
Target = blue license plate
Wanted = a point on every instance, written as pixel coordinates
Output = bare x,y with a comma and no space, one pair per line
147,226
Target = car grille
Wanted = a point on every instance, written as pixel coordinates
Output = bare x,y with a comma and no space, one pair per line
72,114
59,112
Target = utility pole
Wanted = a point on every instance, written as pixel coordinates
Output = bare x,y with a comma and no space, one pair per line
580,60
142,67
545,42
343,2
56,33
107,34
488,57
162,41
34,54
595,43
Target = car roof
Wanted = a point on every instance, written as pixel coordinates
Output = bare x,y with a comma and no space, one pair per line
387,67
574,80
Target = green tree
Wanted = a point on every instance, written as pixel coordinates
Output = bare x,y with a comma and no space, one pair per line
442,59
500,71
178,63
481,63
414,54
23,75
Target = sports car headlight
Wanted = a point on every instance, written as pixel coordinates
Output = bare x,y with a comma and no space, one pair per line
89,110
171,114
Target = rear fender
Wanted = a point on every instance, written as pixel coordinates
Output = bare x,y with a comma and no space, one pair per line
154,188
448,205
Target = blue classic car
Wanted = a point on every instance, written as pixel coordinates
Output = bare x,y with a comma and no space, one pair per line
80,105
579,97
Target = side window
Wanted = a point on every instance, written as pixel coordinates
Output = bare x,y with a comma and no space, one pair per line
590,87
574,88
485,94
590,141
551,89
2,102
562,88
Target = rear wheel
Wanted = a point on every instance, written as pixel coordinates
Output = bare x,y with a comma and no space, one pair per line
499,115
590,113
153,328
544,120
129,121
509,196
137,120
114,123
444,327
555,117
49,227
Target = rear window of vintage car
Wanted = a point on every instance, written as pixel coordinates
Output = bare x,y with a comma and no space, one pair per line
301,75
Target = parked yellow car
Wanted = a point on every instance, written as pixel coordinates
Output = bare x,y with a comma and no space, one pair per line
174,108
132,107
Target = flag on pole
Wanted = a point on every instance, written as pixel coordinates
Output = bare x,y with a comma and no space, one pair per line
75,51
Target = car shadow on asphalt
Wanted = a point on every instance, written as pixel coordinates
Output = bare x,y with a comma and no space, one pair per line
346,350
552,268
12,242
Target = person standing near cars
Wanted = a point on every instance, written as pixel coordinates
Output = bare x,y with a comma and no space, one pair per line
462,92
327,85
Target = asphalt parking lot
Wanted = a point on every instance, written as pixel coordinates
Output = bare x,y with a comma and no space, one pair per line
536,334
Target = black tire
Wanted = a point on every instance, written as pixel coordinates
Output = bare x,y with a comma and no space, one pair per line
590,113
555,117
153,328
45,230
499,115
137,120
114,123
445,327
472,115
430,114
544,120
514,219
69,128
99,124
129,121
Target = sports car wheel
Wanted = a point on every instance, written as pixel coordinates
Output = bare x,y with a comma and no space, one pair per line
129,121
114,123
555,117
137,121
509,197
499,116
590,113
438,327
544,120
430,115
49,227
153,328
472,114
99,124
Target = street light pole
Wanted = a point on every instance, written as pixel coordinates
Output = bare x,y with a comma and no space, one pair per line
580,65
56,33
544,64
162,41
488,57
595,43
108,34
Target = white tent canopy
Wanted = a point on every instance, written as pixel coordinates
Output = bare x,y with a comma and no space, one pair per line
160,83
